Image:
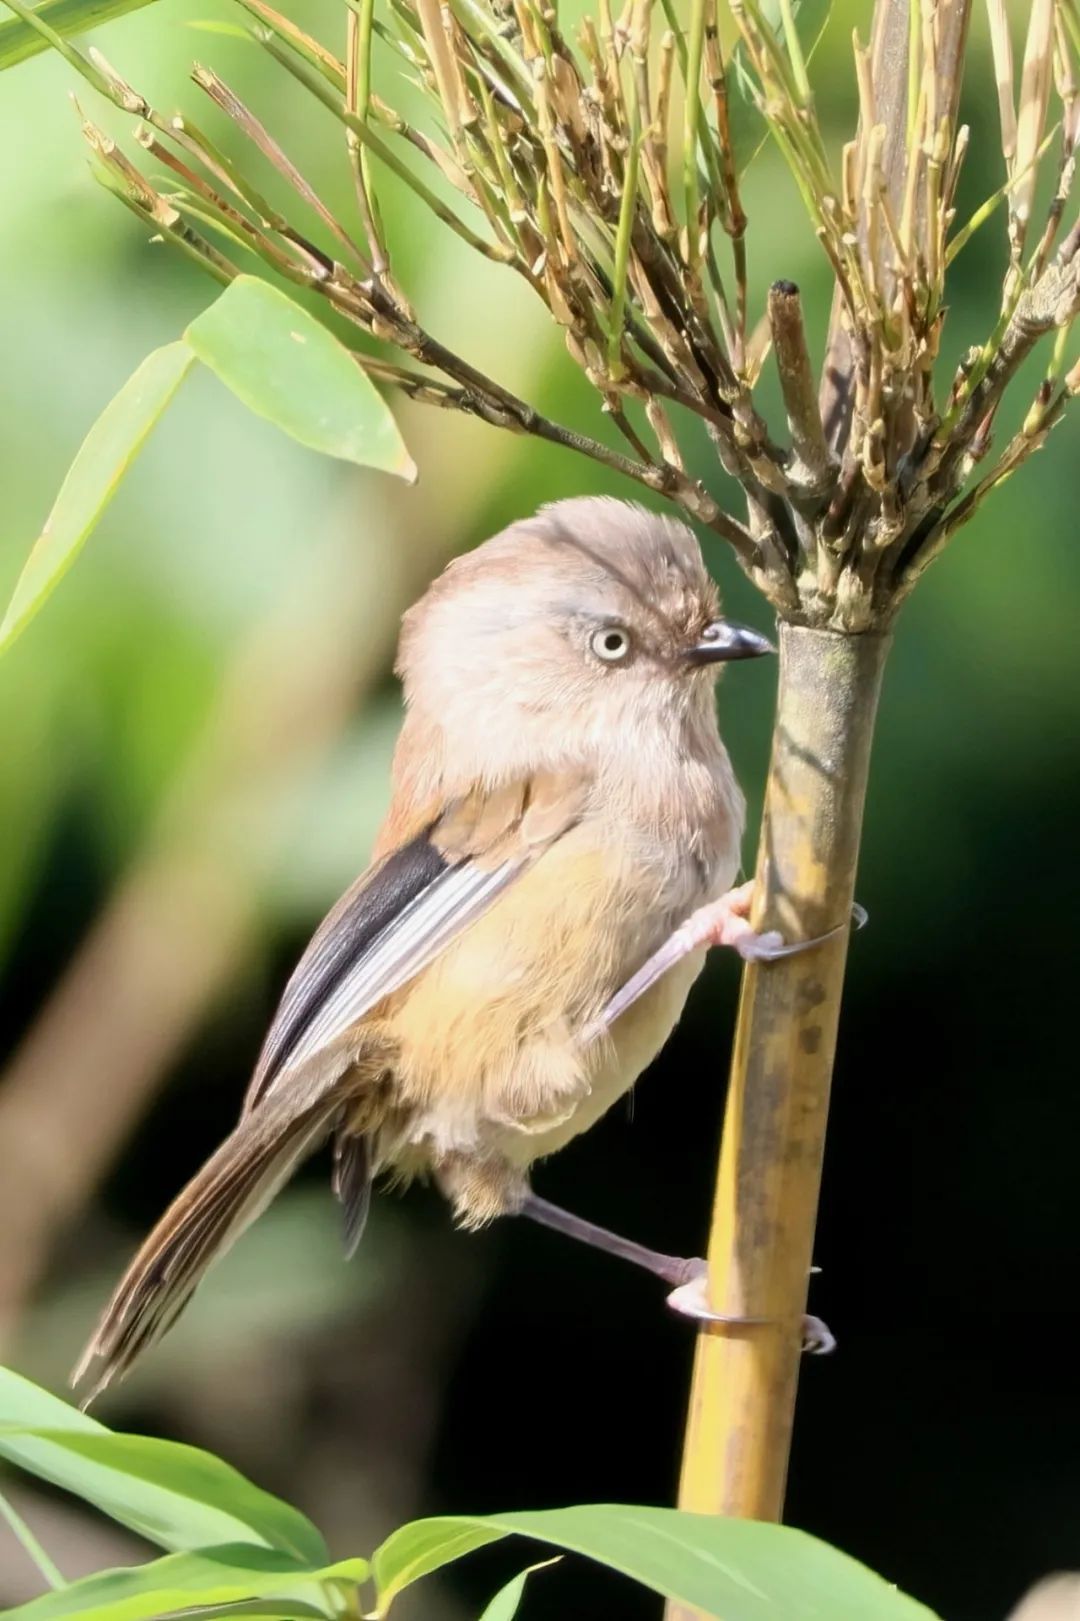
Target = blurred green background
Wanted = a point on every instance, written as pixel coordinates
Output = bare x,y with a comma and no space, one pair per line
195,737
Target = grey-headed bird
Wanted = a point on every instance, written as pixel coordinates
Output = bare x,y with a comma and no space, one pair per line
519,948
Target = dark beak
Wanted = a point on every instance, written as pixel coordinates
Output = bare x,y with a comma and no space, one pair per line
722,640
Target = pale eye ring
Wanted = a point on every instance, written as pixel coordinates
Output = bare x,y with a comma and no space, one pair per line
611,644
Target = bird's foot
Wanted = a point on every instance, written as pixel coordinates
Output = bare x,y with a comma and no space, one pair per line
723,922
691,1299
726,922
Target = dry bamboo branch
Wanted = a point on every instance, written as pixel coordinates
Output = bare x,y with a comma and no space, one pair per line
231,105
815,466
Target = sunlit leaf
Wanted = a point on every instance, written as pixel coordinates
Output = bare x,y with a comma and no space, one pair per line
102,460
286,366
204,1581
177,1496
735,1569
20,40
423,1546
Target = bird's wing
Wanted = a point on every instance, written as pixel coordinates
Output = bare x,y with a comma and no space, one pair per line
404,911
395,919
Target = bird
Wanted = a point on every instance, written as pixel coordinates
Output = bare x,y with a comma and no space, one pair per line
561,848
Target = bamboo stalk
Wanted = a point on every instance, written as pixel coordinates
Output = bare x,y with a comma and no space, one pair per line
743,1394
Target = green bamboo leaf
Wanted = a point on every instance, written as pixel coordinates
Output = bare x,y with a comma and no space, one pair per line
102,460
35,1552
20,40
748,128
205,1581
739,1570
504,1606
424,1546
177,1496
286,366
211,25
264,1609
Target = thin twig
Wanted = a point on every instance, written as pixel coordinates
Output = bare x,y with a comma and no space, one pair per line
358,29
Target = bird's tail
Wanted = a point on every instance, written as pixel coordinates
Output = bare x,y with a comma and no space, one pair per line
233,1187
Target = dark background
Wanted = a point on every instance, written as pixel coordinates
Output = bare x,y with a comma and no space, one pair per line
195,743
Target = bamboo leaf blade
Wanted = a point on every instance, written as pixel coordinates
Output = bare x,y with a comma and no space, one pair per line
206,1580
285,366
176,1496
737,1570
30,1544
20,40
506,1602
101,462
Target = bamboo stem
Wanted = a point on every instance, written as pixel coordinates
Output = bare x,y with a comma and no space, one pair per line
743,1394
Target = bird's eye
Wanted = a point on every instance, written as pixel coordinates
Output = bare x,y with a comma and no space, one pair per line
610,644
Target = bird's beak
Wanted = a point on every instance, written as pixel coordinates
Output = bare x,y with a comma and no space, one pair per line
722,640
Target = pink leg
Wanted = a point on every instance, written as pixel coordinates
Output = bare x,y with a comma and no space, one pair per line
689,1297
723,922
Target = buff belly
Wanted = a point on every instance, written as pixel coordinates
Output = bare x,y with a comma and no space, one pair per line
633,1044
489,1075
482,1163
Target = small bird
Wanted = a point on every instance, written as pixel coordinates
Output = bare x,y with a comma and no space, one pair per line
518,950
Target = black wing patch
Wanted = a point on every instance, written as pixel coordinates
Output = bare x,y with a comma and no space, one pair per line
348,932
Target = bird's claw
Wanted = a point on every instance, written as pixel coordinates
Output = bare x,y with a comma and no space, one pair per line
690,1299
761,947
818,1338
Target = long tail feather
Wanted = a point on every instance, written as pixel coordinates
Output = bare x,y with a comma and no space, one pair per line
230,1191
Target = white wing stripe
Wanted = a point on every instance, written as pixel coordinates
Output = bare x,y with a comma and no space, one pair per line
415,937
